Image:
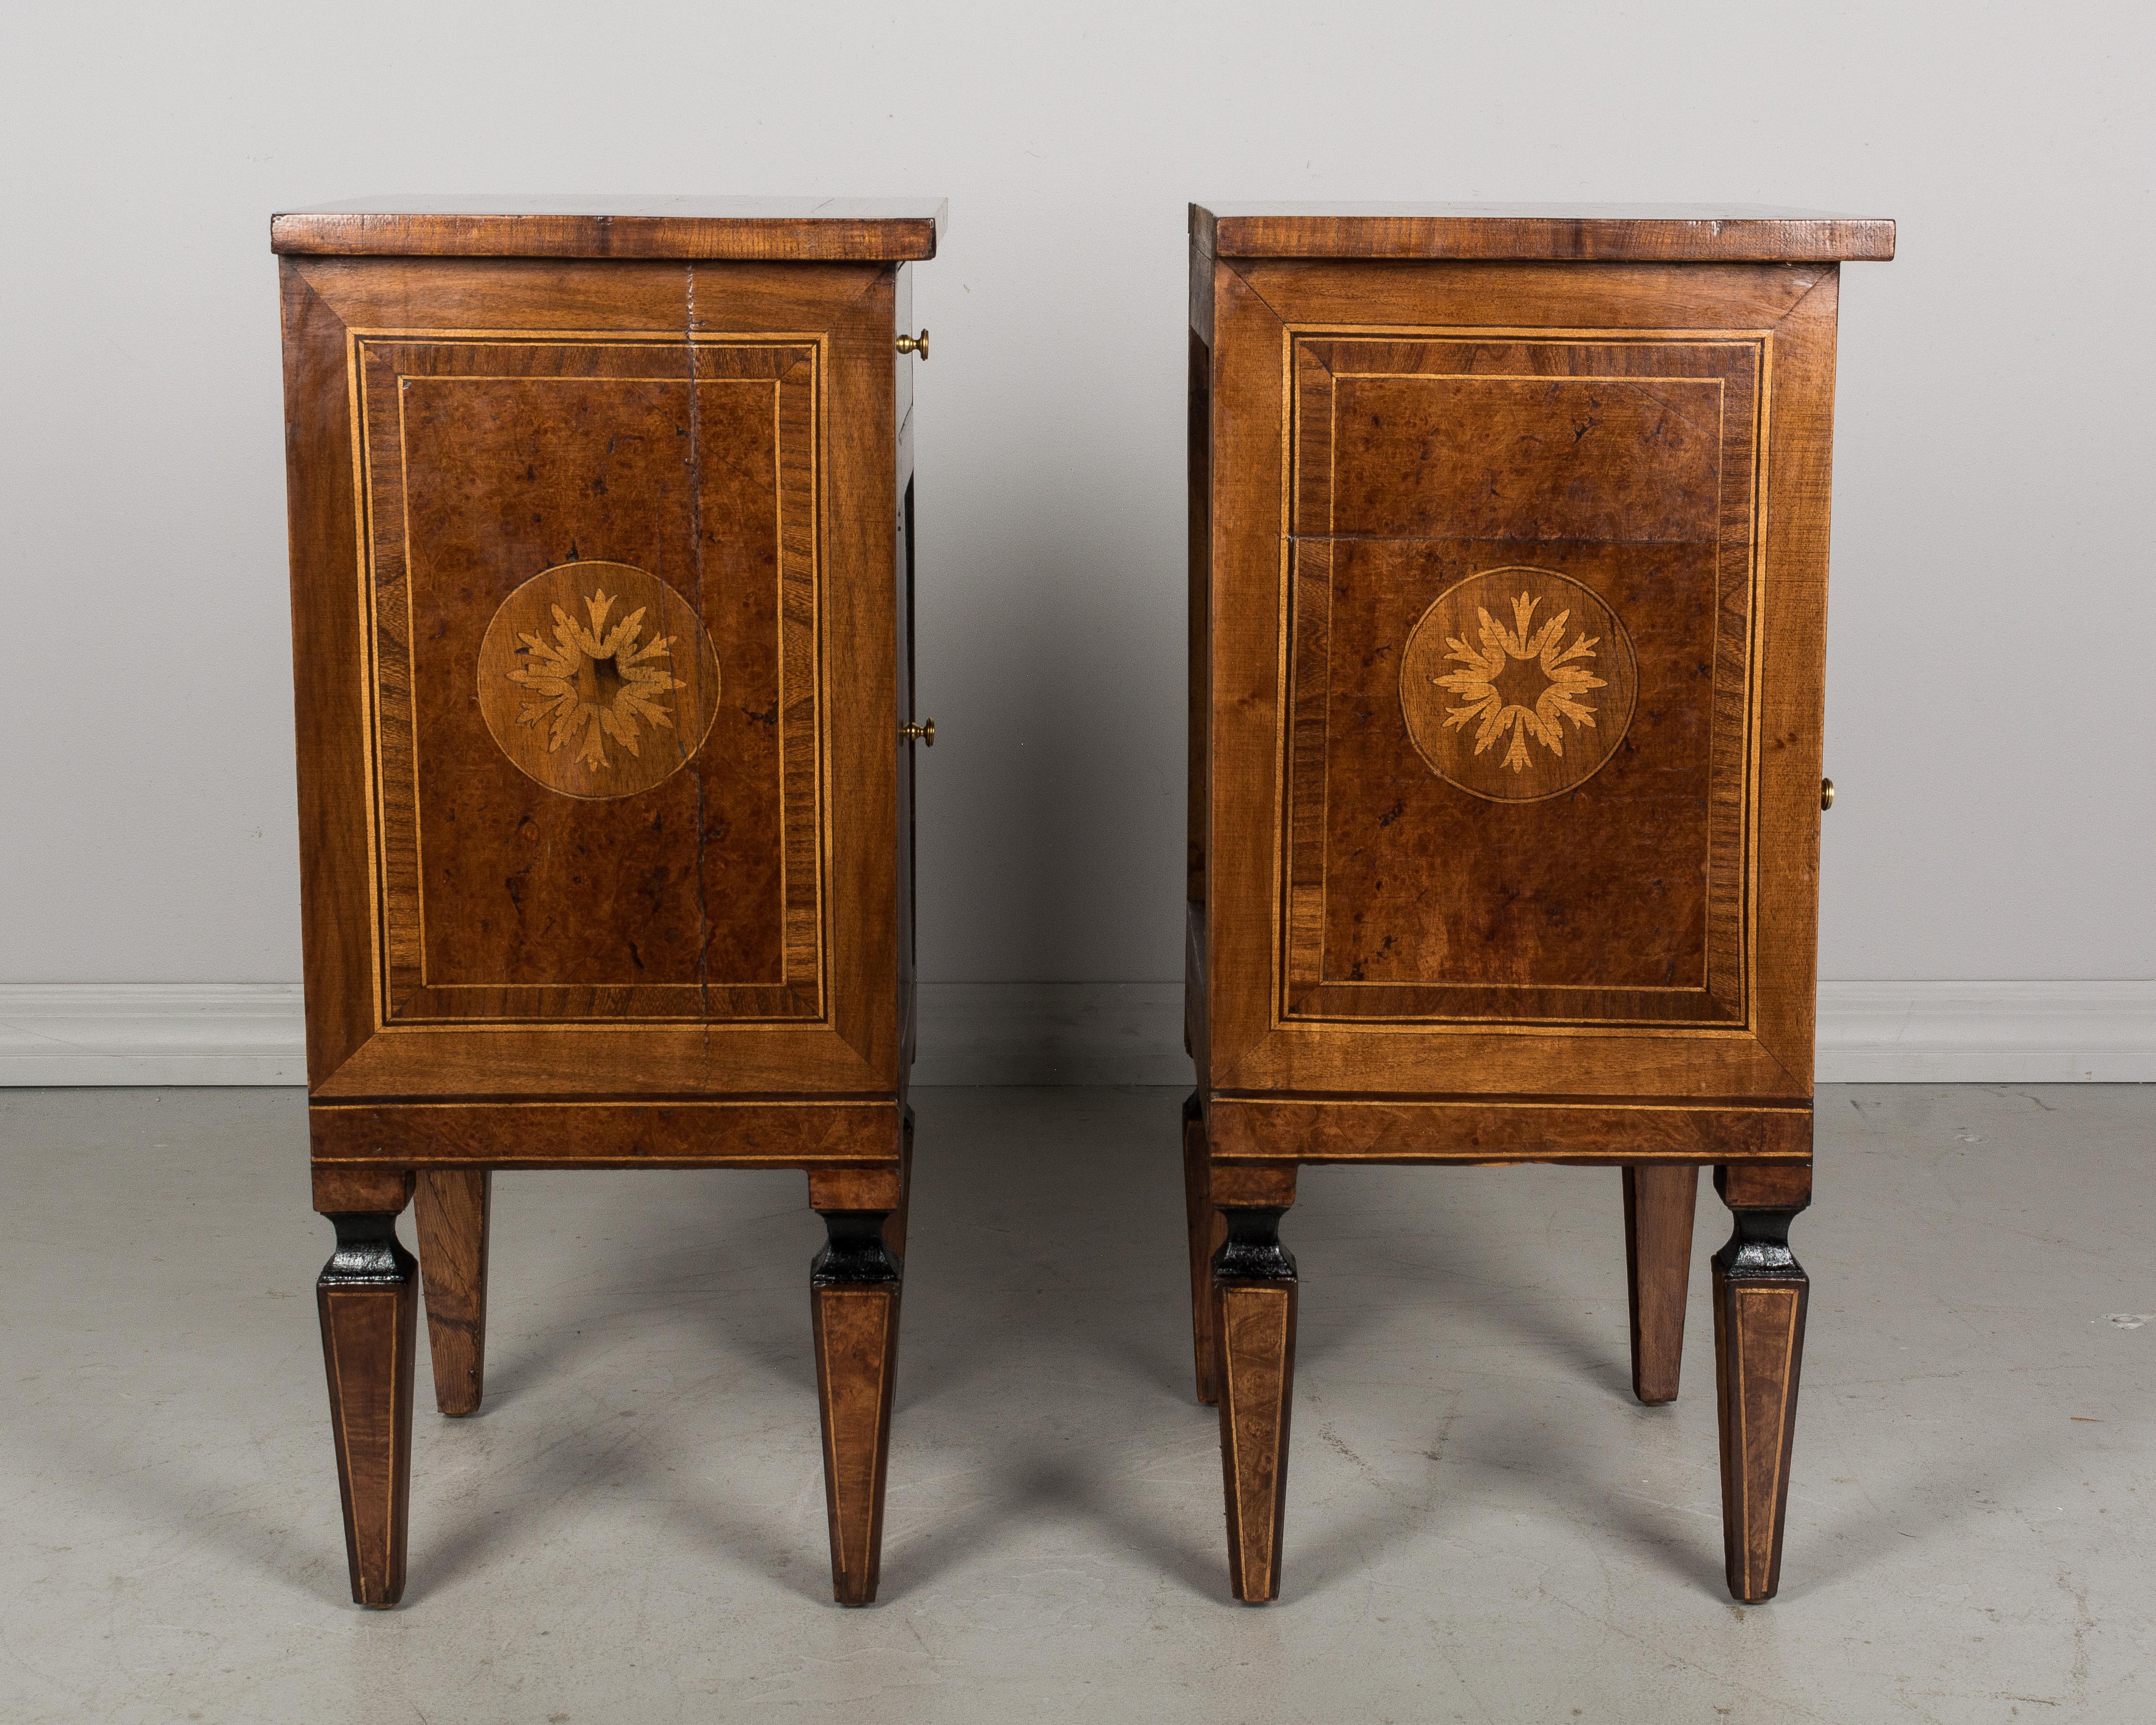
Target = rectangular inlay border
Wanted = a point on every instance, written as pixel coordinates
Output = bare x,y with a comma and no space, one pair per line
1722,1001
793,367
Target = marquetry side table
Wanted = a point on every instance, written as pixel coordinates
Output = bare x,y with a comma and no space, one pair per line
602,545
1508,560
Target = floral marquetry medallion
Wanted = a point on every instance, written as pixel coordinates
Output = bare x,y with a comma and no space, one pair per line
1517,684
597,679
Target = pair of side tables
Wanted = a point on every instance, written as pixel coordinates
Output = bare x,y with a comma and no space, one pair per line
1508,549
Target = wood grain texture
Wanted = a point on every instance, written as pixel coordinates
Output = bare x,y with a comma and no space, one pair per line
368,1299
854,1297
1507,577
1591,232
454,1209
1660,1199
1580,516
766,229
1207,1232
1614,1130
685,1133
602,552
895,1225
523,923
329,701
351,1189
1739,1033
1254,1322
1761,1293
667,489
1199,511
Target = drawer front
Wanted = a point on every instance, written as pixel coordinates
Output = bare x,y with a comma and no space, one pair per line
1519,596
603,563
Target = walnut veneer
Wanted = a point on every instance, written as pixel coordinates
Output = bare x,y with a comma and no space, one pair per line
1508,560
601,587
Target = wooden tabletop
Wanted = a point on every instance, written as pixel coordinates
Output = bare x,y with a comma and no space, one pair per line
1613,233
768,229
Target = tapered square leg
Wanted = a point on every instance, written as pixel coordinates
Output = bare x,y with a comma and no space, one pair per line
854,1294
1254,1296
1207,1231
1659,1201
453,1208
1760,1296
368,1298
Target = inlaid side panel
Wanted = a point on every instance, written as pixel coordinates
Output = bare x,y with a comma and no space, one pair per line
591,573
1521,592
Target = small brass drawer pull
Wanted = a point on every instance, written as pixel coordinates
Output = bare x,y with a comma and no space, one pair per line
915,344
922,733
1826,793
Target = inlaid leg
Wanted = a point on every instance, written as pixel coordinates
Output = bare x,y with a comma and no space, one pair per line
1206,1231
1254,1301
369,1297
1760,1294
1659,1201
854,1289
455,1208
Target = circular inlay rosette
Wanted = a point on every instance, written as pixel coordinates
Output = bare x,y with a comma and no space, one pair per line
597,679
1517,684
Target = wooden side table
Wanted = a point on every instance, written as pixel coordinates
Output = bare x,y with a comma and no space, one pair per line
602,541
1508,565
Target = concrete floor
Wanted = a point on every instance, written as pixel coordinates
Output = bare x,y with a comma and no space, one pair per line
1482,1523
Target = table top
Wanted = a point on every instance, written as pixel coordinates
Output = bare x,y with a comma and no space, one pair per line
767,230
1602,233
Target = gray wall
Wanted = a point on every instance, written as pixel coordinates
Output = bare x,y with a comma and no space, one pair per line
1992,616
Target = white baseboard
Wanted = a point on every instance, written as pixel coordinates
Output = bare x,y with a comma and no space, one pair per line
151,1033
1987,1033
1097,1033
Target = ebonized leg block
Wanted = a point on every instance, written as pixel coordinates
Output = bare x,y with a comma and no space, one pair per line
1658,1202
1760,1295
454,1209
1254,1295
1207,1231
369,1297
854,1291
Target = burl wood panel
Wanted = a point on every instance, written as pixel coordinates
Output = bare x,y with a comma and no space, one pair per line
1513,702
1520,641
667,489
556,915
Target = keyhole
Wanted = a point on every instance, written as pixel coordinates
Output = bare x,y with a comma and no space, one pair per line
1522,683
599,681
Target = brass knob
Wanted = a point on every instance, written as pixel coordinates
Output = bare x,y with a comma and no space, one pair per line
1826,793
915,344
921,733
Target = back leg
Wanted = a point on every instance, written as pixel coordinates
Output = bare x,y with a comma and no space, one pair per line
455,1208
1659,1201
